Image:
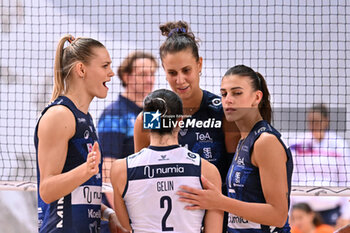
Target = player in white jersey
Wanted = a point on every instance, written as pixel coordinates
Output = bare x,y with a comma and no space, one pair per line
145,184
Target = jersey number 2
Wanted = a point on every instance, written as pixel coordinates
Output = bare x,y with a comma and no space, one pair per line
167,213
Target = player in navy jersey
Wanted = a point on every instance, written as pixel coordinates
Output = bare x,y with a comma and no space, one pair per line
68,156
183,65
145,183
259,179
116,124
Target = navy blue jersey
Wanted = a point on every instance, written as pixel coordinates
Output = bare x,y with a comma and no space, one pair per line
208,142
79,211
116,128
244,184
116,133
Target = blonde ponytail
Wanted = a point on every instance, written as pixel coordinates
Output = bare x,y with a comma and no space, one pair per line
58,86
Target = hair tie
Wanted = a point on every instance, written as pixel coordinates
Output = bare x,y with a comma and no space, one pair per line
166,108
176,30
71,39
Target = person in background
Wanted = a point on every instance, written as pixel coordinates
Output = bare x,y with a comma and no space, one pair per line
322,158
305,220
116,124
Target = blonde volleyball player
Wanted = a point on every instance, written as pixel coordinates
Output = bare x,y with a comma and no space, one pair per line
145,183
68,156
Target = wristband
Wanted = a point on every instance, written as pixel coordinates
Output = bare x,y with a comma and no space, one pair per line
107,213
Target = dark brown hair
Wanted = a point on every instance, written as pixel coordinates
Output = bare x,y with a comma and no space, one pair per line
128,63
258,83
320,108
317,221
179,38
168,103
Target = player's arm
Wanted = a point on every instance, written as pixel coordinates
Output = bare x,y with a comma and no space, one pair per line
232,135
106,174
113,221
270,156
141,136
55,129
118,180
213,219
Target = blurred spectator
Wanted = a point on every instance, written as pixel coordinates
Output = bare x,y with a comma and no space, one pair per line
305,220
321,158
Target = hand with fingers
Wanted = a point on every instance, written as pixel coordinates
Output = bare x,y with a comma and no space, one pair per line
200,198
93,160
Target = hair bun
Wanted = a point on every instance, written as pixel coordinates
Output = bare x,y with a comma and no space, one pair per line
175,28
156,104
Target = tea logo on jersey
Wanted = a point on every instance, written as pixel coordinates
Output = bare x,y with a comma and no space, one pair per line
151,120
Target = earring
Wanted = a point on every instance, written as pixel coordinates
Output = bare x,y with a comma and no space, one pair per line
200,73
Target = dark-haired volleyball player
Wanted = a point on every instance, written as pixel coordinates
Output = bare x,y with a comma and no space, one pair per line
183,65
145,183
259,179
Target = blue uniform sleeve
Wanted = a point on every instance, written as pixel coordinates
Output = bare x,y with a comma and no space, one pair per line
116,135
112,144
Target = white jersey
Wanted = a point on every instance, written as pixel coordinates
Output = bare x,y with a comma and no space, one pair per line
154,176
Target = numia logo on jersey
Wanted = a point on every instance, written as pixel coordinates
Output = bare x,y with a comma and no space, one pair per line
236,219
150,172
91,195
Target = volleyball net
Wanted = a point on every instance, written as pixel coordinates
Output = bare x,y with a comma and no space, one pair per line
300,47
